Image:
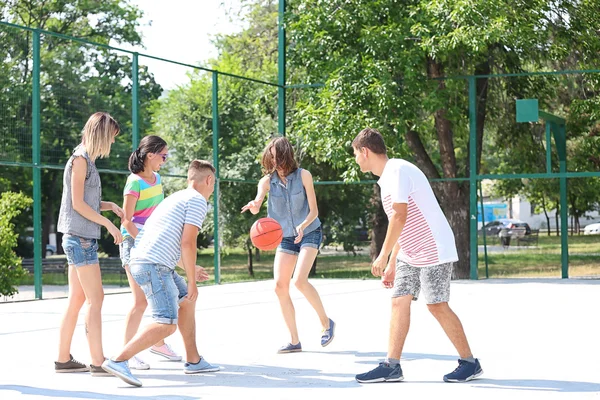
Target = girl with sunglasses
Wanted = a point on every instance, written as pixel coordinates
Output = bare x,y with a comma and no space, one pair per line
143,192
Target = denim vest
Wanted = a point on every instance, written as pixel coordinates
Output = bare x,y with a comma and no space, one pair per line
288,204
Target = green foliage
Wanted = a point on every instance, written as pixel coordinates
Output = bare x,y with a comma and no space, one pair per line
76,81
11,205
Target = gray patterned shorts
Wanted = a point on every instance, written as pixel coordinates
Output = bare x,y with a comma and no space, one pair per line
434,280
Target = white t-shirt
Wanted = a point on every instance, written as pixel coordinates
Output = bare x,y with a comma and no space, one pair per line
427,238
159,241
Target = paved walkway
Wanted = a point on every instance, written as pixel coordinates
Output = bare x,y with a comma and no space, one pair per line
537,339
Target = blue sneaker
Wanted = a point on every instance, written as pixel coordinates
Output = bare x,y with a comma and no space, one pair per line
290,348
120,369
465,372
383,373
199,367
327,336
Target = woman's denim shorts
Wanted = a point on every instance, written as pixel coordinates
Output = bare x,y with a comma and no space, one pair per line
80,251
311,239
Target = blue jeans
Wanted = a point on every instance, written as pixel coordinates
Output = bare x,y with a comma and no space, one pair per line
80,251
311,239
164,290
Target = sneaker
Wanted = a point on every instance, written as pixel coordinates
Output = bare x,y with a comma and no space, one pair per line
199,367
97,370
137,363
383,373
290,348
465,372
121,370
327,336
166,351
70,366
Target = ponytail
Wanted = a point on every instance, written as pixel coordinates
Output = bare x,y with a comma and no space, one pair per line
149,144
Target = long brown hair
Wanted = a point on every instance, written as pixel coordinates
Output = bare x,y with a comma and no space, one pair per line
284,157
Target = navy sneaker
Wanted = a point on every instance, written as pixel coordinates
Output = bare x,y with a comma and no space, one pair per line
328,334
383,373
290,348
465,372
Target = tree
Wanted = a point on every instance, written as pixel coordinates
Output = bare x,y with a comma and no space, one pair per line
385,64
76,80
11,271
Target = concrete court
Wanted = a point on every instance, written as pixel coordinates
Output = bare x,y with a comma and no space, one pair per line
536,339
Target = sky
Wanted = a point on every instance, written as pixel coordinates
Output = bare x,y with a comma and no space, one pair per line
182,30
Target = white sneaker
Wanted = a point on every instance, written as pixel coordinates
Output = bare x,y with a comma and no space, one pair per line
137,363
166,351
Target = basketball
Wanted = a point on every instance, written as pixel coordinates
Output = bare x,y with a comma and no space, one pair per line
266,234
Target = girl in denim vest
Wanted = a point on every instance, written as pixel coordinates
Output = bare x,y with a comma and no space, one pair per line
80,221
292,203
142,194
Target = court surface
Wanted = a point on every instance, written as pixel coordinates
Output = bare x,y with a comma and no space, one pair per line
536,339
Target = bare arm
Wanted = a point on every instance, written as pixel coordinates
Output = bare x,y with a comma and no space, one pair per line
188,258
397,221
128,210
263,189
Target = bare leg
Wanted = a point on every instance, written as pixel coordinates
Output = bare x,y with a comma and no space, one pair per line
69,321
283,270
151,334
135,315
305,261
453,328
399,325
91,282
187,327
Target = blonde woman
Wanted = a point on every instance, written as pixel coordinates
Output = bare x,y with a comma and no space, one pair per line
80,220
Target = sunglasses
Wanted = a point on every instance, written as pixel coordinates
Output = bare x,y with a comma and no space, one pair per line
164,156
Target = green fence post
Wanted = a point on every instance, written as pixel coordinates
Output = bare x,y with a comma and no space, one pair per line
473,174
215,143
135,130
37,173
487,273
281,70
564,206
548,149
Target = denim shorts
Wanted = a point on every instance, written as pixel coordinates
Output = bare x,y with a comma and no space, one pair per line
312,239
164,290
80,251
125,249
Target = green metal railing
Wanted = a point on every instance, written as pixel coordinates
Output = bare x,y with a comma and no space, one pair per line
474,177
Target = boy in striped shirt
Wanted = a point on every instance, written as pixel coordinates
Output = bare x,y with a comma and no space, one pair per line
423,251
168,239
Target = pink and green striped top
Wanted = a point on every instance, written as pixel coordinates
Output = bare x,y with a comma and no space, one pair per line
148,196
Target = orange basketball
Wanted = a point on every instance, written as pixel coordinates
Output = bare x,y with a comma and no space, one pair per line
266,234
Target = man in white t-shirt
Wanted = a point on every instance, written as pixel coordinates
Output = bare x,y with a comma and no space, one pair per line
423,251
168,239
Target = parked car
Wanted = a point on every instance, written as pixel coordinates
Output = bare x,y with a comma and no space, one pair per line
592,229
510,227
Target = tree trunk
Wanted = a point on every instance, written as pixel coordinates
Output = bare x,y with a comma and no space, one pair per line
556,220
379,222
250,265
257,254
546,213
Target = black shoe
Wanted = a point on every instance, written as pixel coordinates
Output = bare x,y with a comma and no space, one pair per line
465,372
70,366
97,370
383,373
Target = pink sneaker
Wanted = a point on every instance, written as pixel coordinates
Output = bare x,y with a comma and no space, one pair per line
166,351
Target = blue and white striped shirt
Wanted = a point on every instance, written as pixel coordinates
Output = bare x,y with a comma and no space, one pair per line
159,241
